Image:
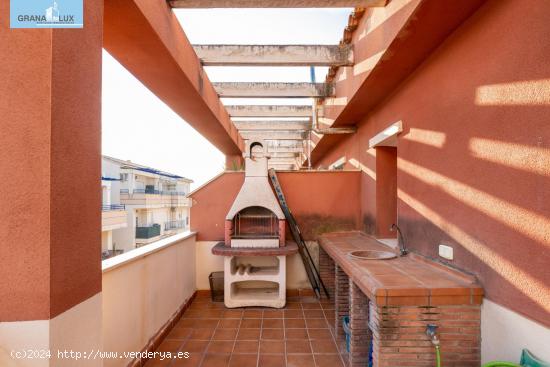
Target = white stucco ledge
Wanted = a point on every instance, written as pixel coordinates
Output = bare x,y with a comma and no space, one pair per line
133,255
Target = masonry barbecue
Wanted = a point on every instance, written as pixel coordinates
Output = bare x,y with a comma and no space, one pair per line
254,246
255,218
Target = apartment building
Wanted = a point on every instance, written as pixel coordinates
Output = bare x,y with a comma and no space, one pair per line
140,205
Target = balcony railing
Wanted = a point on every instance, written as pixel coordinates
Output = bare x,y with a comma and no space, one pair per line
174,224
153,192
107,254
174,193
148,231
109,207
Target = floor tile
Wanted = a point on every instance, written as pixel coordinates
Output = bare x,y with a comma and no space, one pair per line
243,360
293,306
251,323
220,346
298,347
273,334
216,360
157,363
186,323
225,334
246,347
229,323
271,360
170,345
316,323
232,314
328,360
195,346
311,306
295,323
272,347
252,314
324,346
273,314
201,334
300,360
206,323
314,314
272,324
296,334
319,334
294,314
212,314
248,334
178,333
194,360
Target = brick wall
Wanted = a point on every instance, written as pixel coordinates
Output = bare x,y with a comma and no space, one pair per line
400,339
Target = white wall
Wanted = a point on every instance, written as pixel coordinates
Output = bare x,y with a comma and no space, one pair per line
106,240
112,170
207,263
124,238
505,333
142,289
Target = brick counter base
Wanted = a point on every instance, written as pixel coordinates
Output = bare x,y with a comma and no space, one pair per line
399,337
359,326
341,300
326,272
398,332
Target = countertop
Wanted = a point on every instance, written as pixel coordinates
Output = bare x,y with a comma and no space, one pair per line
289,249
402,281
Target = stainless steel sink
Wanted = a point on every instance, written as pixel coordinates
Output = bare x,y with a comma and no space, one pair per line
371,255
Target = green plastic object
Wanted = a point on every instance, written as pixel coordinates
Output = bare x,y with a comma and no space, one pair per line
437,356
529,360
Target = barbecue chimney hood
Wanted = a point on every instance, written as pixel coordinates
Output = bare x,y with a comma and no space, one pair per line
255,218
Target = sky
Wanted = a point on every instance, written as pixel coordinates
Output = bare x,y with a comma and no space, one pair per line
138,126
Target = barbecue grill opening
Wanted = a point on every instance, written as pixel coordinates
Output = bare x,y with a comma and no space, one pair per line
256,150
255,222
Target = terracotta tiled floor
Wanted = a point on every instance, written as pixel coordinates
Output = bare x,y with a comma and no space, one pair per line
300,335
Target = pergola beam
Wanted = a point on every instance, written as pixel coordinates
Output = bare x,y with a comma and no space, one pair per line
269,111
291,149
273,134
276,3
259,125
273,90
147,39
275,155
275,55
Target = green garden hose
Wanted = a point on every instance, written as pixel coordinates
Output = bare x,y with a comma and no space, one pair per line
501,364
437,356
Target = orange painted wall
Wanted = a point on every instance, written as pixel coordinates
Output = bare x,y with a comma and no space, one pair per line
474,156
50,166
320,201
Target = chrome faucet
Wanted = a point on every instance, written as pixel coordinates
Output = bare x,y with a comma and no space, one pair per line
400,241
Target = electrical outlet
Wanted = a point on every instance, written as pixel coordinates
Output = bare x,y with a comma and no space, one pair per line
446,252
